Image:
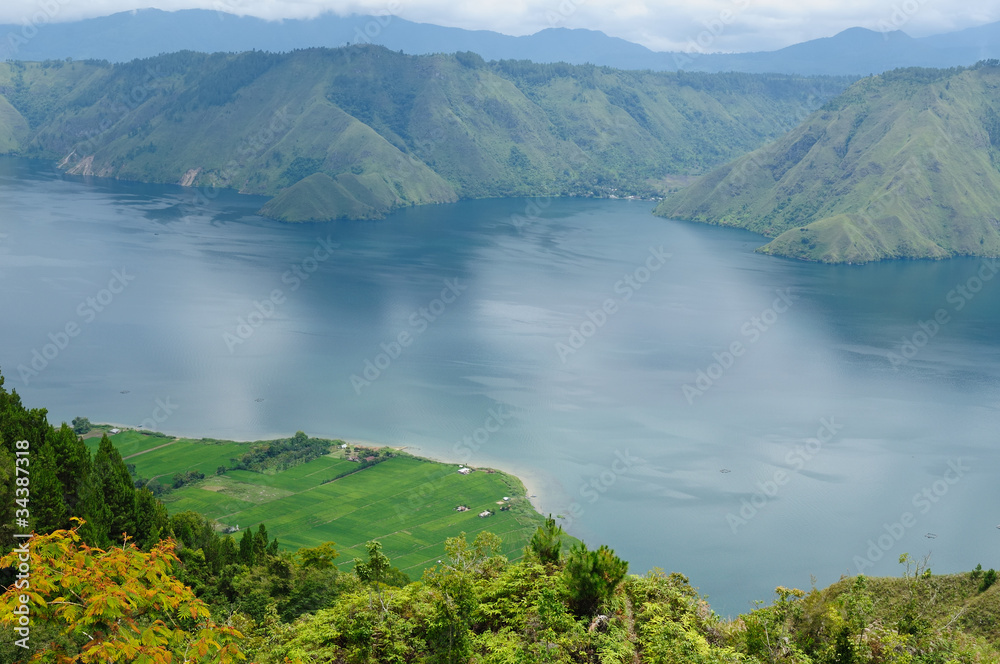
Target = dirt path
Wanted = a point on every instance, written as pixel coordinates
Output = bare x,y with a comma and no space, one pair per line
151,449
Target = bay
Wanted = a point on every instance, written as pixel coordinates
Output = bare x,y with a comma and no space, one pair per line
834,413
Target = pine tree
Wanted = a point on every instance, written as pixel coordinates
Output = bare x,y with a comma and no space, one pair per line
260,545
113,487
73,467
48,509
7,505
19,423
591,577
547,541
151,519
246,548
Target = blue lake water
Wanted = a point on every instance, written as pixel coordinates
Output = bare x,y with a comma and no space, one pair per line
553,339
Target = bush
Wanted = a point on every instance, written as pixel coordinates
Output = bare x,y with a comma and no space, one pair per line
989,578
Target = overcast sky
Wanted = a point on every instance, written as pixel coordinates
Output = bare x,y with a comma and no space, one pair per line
722,25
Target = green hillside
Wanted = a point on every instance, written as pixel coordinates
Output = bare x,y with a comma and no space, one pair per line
385,130
328,497
902,165
132,583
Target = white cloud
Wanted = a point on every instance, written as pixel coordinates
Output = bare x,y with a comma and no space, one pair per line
658,24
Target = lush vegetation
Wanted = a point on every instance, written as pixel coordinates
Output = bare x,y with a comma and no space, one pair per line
131,584
355,132
311,490
901,165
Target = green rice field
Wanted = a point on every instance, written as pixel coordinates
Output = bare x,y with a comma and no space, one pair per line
406,502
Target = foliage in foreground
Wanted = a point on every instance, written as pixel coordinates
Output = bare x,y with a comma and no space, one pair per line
477,607
119,605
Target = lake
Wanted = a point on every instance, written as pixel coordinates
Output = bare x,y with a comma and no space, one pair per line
745,420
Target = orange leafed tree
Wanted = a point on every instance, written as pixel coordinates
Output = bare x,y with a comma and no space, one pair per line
119,605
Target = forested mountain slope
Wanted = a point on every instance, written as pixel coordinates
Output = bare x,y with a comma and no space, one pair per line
388,129
901,165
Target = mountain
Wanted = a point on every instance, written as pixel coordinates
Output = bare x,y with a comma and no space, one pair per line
387,130
901,165
145,33
149,32
856,51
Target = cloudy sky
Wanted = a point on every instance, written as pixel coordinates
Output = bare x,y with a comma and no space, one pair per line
736,25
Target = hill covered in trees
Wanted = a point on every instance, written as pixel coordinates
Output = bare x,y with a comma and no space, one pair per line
175,589
358,131
901,165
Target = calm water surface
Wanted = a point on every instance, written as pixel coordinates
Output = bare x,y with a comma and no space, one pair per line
793,457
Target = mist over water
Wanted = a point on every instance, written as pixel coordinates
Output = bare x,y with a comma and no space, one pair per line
552,340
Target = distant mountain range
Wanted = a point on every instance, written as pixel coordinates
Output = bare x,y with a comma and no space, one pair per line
145,33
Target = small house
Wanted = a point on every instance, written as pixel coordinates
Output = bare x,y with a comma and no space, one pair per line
485,513
462,508
114,431
465,471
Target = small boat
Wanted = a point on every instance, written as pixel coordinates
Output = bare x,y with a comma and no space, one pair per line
930,536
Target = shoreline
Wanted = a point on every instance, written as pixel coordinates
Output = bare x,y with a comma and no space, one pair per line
529,483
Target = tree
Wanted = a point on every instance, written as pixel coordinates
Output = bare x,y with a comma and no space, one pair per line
454,582
547,542
119,605
591,577
989,578
318,557
246,547
373,570
113,487
19,423
260,541
48,509
7,495
73,468
81,425
151,519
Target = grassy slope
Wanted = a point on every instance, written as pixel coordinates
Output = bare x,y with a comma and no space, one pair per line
411,518
949,603
391,129
900,165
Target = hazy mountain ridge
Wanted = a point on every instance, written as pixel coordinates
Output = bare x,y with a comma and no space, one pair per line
392,129
901,165
145,33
